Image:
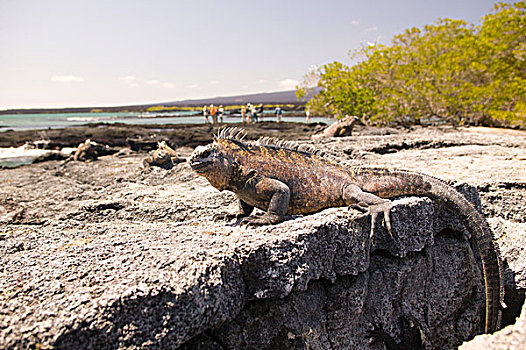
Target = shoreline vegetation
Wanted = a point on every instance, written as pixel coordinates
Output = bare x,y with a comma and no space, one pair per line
452,71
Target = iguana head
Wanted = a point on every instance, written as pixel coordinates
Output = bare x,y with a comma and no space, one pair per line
209,161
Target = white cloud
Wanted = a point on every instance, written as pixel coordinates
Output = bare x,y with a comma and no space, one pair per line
289,84
214,82
158,83
354,22
262,81
193,86
67,79
128,79
371,29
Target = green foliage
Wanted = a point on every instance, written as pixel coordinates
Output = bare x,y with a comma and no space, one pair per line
340,95
162,108
450,70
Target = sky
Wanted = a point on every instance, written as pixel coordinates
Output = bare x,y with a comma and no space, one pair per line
72,53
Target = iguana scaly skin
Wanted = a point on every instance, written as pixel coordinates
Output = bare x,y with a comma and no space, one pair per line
282,178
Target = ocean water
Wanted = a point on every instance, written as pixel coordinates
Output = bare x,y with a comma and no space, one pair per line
63,120
13,157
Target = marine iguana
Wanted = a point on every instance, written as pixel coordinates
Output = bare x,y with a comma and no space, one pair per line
164,156
343,127
283,177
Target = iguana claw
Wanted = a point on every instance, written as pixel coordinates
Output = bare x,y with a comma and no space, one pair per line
255,221
266,219
384,208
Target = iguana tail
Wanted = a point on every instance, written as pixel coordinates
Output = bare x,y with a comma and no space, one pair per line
392,183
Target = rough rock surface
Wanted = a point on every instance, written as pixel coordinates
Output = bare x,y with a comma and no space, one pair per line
105,255
139,136
512,337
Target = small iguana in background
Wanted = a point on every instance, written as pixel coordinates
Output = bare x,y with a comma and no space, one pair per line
282,177
164,156
342,127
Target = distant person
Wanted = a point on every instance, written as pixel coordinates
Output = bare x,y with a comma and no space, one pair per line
243,112
260,110
221,111
205,113
307,115
254,113
249,113
278,112
213,114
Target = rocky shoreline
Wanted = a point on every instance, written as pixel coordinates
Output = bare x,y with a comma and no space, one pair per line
110,254
179,135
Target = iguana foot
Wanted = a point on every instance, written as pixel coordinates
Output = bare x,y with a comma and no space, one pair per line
255,221
265,219
384,208
373,211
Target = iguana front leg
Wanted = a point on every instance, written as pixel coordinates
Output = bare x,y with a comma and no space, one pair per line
355,197
273,192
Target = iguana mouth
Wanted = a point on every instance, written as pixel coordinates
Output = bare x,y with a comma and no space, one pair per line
199,165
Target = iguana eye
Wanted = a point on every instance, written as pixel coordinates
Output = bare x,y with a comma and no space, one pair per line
206,153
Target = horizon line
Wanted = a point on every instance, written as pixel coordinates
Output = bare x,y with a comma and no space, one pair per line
140,104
